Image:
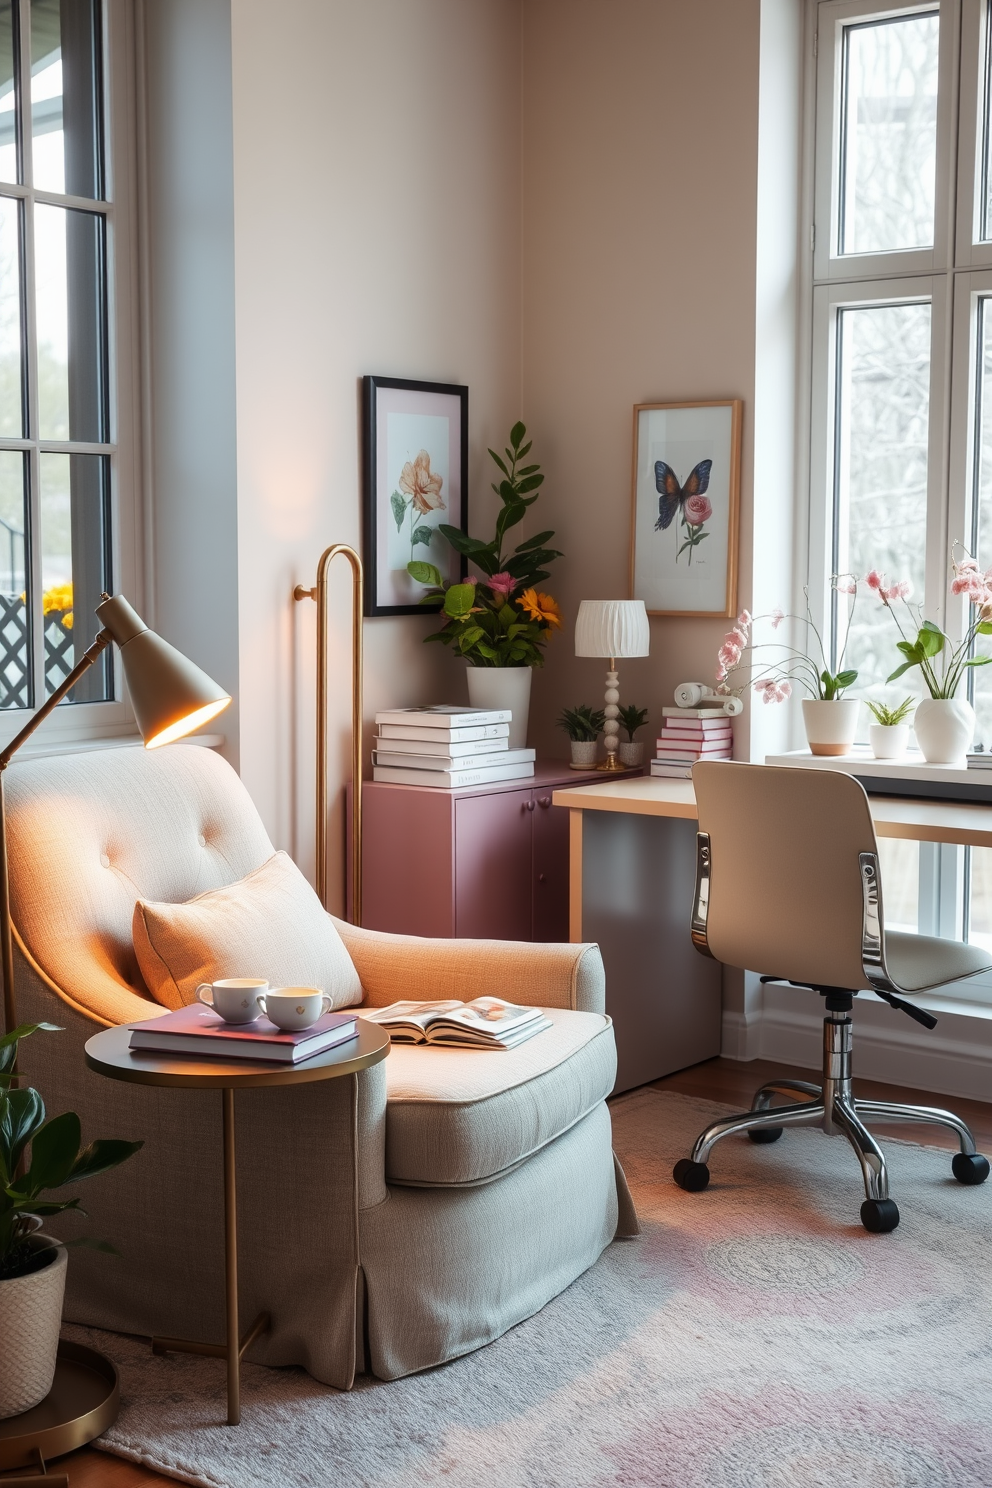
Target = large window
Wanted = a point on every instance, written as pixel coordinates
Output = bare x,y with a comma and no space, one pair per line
901,468
59,347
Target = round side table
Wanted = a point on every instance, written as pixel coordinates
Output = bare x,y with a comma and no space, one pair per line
108,1054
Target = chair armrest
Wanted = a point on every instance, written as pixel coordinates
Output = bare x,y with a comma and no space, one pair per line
392,967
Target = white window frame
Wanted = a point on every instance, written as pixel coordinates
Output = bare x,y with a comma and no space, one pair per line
80,722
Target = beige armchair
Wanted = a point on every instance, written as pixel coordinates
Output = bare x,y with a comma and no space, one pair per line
389,1221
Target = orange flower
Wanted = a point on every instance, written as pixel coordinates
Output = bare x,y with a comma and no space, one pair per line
420,482
540,607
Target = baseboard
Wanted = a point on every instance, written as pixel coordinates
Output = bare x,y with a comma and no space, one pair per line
955,1058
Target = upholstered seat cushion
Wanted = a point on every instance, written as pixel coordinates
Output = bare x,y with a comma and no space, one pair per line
463,1116
919,962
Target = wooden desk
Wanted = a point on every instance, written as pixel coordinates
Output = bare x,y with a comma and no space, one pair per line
632,861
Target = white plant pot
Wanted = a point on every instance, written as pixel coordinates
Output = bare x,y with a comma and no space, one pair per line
945,728
30,1319
888,740
503,687
631,754
831,727
584,754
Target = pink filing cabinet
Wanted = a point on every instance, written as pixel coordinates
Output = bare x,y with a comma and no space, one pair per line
488,861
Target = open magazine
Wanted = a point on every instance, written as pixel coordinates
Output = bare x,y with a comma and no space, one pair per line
485,1023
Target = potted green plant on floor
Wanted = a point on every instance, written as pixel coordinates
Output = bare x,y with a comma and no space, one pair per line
501,622
32,1265
889,734
631,750
583,725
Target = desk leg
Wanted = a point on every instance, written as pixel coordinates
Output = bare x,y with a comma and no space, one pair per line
574,876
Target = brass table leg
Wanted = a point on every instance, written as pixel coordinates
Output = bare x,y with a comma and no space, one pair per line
234,1349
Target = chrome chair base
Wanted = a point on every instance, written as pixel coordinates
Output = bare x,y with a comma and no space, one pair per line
832,1107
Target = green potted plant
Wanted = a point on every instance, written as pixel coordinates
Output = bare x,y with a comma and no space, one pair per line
889,734
631,751
33,1266
499,623
583,725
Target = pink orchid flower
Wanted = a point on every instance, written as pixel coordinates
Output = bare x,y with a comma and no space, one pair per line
875,580
744,619
846,584
777,616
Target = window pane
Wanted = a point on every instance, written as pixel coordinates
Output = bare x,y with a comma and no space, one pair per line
899,862
11,400
8,136
880,481
889,135
65,97
981,535
75,567
980,914
15,669
69,261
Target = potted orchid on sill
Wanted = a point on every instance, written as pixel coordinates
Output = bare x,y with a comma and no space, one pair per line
944,723
830,718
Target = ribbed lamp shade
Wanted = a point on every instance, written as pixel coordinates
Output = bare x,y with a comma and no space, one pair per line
612,627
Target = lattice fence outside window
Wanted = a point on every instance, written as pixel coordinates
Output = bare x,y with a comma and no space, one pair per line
14,664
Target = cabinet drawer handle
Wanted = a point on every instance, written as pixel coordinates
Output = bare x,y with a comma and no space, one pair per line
542,878
529,805
544,801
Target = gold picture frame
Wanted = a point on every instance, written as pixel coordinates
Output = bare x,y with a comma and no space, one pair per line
685,491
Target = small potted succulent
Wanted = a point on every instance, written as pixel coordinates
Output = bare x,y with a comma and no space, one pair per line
631,751
583,725
889,734
33,1266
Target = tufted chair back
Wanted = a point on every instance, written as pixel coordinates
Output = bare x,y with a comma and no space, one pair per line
91,833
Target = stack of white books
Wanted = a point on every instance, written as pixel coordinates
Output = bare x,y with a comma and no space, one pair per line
447,747
688,735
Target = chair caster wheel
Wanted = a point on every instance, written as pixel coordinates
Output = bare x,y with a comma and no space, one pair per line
879,1215
970,1167
766,1133
691,1176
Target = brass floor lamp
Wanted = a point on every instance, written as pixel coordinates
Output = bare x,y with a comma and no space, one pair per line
319,593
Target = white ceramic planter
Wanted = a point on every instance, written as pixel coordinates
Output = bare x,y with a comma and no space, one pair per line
584,754
631,754
945,728
888,740
30,1319
503,687
831,727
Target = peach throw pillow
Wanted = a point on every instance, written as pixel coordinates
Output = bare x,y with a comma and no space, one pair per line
270,924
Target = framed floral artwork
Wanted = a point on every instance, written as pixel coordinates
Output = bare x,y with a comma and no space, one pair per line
686,497
415,479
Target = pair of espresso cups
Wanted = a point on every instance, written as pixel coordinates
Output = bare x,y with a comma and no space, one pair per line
241,999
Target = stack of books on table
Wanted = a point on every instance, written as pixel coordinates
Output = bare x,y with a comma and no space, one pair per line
197,1031
447,747
688,735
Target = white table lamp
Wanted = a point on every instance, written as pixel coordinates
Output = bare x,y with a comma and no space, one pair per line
616,628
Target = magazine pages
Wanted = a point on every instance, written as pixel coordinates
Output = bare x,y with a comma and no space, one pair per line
484,1023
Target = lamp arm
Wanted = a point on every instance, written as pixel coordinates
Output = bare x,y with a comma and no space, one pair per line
87,659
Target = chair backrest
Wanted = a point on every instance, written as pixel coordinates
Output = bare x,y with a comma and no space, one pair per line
90,833
785,894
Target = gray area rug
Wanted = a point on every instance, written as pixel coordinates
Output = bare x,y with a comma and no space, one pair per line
755,1336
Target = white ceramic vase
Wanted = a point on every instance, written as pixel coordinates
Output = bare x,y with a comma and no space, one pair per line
584,754
888,740
631,754
945,728
830,727
503,687
30,1319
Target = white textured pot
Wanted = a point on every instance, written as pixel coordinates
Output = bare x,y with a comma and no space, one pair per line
945,728
631,754
503,687
30,1319
830,727
888,740
584,754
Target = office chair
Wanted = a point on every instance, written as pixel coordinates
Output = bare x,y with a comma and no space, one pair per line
787,879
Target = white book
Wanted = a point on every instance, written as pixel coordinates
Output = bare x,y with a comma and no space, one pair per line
681,771
487,1023
446,716
453,735
447,763
715,712
451,779
682,750
445,747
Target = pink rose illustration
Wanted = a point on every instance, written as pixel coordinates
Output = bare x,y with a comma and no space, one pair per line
697,510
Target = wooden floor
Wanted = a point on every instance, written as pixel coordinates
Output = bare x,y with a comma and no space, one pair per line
725,1080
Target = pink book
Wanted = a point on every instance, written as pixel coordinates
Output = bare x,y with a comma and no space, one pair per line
196,1030
677,746
719,725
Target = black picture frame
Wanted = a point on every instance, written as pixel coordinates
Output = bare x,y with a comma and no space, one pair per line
392,409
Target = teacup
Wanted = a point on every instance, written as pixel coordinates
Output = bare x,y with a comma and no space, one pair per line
235,999
293,1008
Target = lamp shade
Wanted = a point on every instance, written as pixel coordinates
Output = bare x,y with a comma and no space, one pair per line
169,694
612,627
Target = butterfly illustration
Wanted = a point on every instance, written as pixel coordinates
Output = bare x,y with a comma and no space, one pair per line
672,496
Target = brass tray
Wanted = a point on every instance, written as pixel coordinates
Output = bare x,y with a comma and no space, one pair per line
83,1401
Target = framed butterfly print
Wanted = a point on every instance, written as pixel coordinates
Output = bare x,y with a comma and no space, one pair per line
686,498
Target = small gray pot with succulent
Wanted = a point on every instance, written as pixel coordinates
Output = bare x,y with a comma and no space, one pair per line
631,750
583,725
889,734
